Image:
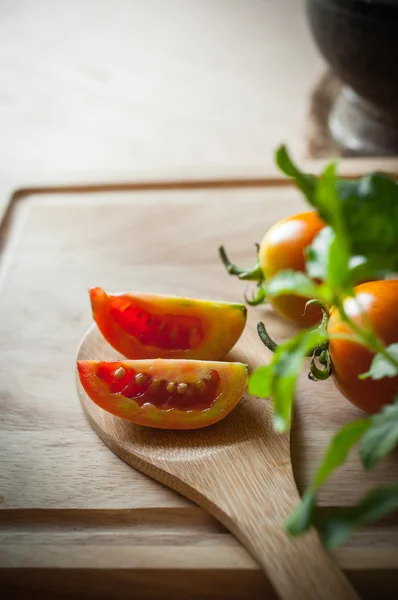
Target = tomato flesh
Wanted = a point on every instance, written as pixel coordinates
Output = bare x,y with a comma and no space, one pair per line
165,393
375,302
147,389
168,331
142,326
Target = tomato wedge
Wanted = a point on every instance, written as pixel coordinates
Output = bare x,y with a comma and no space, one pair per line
165,394
160,326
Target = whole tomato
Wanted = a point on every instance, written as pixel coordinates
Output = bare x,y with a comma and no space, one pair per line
376,302
283,247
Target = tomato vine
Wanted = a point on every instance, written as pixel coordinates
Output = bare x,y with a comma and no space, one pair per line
359,243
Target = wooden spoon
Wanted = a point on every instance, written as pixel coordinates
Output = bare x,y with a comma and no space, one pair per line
239,470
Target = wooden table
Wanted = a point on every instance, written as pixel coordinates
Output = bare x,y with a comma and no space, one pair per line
75,521
119,90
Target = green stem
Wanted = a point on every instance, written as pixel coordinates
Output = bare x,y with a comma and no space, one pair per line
253,274
231,268
257,298
325,311
322,355
265,338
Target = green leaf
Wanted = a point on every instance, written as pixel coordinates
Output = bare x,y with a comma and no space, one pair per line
288,363
363,213
381,366
337,528
301,519
338,274
261,381
338,255
363,269
381,437
333,247
306,183
318,254
370,209
338,449
329,260
278,379
365,217
291,282
328,202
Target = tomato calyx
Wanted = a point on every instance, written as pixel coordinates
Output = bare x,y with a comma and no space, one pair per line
320,365
258,297
324,371
255,273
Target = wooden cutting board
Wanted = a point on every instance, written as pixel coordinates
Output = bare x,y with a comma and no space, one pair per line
74,519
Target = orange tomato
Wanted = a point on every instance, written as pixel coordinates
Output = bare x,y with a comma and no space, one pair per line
283,247
165,394
377,301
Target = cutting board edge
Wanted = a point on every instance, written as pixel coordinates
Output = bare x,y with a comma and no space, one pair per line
22,185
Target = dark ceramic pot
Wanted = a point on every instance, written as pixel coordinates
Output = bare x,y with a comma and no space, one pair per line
359,40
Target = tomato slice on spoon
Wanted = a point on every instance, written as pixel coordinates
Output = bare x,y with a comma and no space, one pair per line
165,394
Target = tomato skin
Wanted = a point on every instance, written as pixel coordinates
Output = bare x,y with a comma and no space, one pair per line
233,376
292,309
379,300
283,247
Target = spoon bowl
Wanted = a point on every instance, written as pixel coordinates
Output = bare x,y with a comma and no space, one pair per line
238,469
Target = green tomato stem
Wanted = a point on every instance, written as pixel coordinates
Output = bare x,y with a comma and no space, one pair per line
265,338
325,311
257,298
316,373
253,274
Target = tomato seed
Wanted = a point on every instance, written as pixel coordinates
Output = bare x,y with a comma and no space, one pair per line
155,385
140,378
120,372
144,388
182,388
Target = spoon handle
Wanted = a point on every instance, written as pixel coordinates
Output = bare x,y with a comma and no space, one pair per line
253,500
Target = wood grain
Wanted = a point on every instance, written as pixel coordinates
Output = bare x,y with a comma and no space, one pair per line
64,495
238,470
